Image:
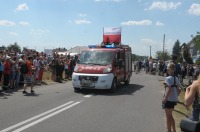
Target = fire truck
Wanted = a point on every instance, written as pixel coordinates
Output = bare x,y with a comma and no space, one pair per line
103,66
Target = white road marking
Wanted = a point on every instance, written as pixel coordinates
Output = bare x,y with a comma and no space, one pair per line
87,96
35,117
46,117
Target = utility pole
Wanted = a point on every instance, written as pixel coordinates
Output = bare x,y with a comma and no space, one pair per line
164,47
150,49
164,43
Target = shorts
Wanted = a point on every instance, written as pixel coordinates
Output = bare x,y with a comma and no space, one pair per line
28,79
169,105
12,75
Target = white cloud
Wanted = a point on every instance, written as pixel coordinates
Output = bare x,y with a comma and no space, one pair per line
159,23
82,15
148,42
83,21
194,9
38,31
6,23
164,5
22,7
143,22
108,0
13,33
24,23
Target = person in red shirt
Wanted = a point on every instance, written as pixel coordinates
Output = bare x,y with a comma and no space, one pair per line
28,77
6,73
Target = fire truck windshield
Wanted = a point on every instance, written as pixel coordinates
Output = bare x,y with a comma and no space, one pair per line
96,57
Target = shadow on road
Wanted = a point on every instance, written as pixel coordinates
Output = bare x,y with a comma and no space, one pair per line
32,94
122,90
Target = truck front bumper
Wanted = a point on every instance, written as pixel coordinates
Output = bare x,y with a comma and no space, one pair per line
92,81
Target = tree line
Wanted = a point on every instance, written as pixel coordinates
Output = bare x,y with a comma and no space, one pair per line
181,50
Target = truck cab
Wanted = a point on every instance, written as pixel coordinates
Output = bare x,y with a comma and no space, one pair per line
103,67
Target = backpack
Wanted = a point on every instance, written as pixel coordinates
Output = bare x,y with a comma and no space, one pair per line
24,68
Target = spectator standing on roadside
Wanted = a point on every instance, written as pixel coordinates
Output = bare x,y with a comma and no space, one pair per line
72,65
12,71
66,68
17,76
190,74
147,66
140,65
36,65
6,73
28,77
1,69
170,97
41,69
192,97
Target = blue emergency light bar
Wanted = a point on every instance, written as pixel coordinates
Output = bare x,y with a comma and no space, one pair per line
110,46
103,46
92,46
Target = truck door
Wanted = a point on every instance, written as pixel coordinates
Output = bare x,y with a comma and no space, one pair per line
121,68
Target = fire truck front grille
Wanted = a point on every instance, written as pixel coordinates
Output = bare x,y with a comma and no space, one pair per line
92,78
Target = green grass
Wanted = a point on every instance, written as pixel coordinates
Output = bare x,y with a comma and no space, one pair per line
180,111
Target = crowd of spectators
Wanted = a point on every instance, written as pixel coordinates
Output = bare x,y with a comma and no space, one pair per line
189,71
27,68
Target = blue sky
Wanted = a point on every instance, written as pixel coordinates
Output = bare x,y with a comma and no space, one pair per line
39,24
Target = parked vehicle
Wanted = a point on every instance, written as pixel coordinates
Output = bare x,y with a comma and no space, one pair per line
103,67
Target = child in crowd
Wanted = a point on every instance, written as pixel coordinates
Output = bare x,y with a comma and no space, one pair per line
170,97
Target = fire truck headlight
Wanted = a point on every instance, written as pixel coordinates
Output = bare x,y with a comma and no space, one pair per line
107,70
75,68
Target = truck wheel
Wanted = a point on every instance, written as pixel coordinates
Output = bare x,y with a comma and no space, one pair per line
114,85
76,90
127,81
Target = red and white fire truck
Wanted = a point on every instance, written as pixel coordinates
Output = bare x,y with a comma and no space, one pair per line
103,66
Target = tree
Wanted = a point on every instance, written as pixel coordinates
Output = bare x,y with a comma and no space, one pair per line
160,55
15,47
186,54
176,49
197,41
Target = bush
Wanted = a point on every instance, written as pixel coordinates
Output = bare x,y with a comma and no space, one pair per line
197,62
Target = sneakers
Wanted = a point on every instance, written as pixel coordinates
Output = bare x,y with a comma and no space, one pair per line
32,91
24,92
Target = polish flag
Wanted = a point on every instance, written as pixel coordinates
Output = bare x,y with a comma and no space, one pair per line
111,34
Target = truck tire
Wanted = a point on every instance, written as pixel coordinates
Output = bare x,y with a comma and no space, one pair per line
114,85
127,81
76,89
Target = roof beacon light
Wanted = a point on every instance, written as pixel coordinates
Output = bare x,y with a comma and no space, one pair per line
110,46
92,46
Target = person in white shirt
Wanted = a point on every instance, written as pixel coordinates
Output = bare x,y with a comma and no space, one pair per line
36,66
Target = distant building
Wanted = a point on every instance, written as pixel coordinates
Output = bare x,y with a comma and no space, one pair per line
77,49
194,52
48,52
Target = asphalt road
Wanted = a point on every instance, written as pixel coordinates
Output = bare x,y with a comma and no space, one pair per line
56,108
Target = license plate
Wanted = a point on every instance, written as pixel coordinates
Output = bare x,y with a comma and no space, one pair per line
86,82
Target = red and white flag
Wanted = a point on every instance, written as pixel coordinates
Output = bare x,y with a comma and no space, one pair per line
111,34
